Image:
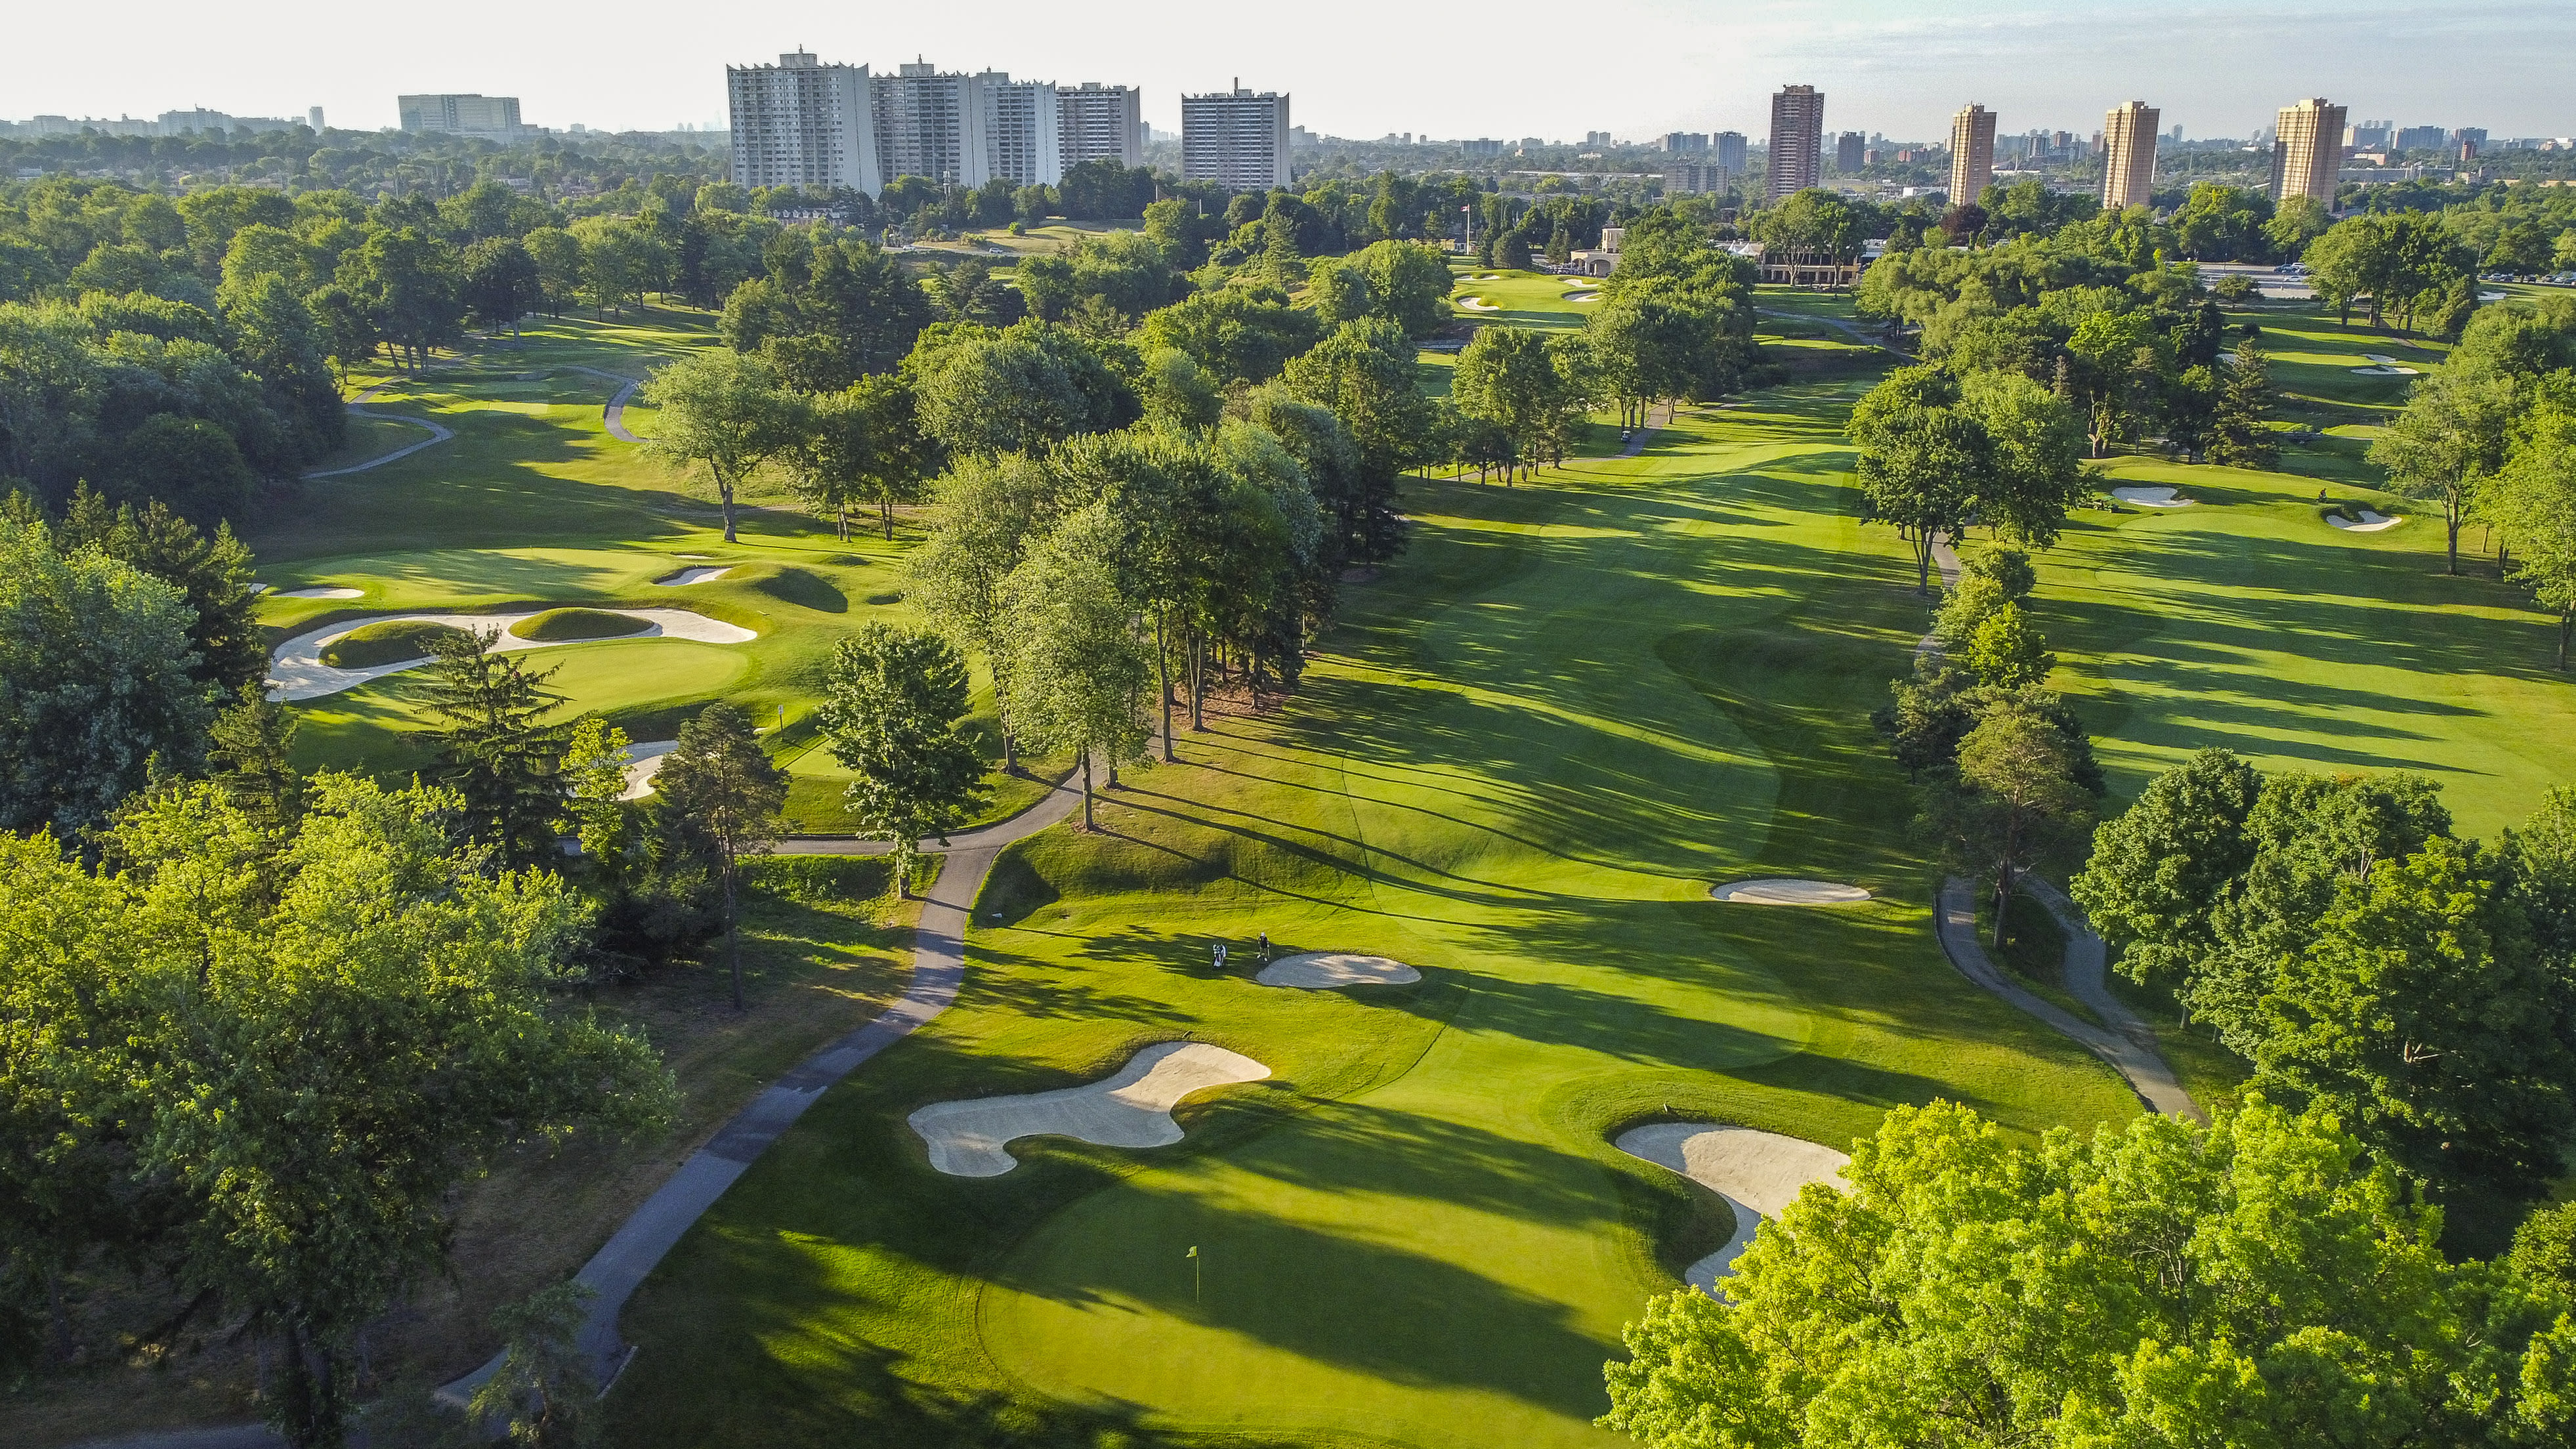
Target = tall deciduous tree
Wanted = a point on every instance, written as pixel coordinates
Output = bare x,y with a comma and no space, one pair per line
721,785
318,1071
890,710
989,512
1920,459
2452,437
2533,504
96,686
721,410
2238,434
1364,374
1078,671
2015,797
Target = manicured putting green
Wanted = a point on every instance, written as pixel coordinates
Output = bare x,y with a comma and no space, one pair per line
390,642
560,625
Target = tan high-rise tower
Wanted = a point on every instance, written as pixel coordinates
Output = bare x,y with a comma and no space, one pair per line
1797,139
2129,155
1972,154
2307,151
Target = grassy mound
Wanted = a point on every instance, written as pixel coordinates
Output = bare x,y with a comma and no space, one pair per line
557,625
390,642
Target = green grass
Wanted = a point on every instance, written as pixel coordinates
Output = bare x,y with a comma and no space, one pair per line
1521,763
389,642
1524,299
561,626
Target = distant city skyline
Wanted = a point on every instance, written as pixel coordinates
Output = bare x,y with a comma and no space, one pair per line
1890,67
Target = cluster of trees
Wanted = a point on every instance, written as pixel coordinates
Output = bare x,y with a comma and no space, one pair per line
2487,438
590,169
2335,933
2260,1280
2093,315
258,1059
1113,572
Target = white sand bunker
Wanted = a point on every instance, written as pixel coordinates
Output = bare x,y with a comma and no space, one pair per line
1758,1173
296,670
1477,304
1131,1109
1329,970
2385,371
2151,497
643,763
1583,296
1778,891
323,594
694,576
2371,522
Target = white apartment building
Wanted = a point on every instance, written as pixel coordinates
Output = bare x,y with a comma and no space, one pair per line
803,123
934,125
1236,139
494,118
1023,130
1100,123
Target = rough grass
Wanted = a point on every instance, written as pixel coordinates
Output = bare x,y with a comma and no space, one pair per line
390,642
560,625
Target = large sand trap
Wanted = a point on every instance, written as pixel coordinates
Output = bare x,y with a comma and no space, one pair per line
1328,970
1758,1173
694,576
643,763
1778,891
296,671
323,594
1583,296
1477,304
1130,1109
2386,370
2371,522
2151,497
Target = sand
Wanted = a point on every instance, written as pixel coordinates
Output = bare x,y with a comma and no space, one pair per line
686,577
1328,970
1477,304
323,594
1758,1173
2151,497
2371,522
1130,1109
645,762
1583,296
1777,891
296,670
2386,370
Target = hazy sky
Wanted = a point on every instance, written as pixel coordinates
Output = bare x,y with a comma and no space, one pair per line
1353,67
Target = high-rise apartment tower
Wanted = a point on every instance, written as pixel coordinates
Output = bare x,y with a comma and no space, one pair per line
1022,130
2129,155
935,124
2307,150
1797,139
1972,154
1851,151
1097,123
1236,139
802,123
1728,147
